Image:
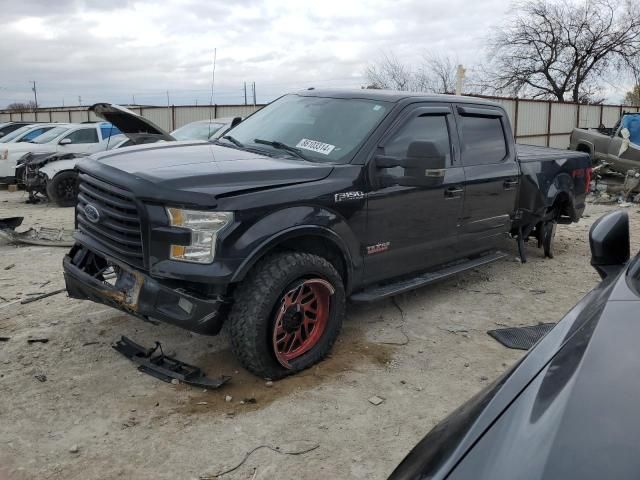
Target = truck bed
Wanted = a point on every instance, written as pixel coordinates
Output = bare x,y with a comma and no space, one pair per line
535,153
545,172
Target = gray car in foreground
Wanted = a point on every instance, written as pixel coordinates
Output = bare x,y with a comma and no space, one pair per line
569,408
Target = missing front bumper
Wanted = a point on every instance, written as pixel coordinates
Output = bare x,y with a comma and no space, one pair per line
138,294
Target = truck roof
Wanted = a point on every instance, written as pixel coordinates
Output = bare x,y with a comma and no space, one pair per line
392,96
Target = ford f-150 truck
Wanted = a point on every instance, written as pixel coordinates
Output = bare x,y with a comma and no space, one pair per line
318,197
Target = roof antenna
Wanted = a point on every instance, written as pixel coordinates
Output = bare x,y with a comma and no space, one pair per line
213,82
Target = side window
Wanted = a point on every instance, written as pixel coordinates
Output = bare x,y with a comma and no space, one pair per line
85,135
33,134
108,131
432,128
483,140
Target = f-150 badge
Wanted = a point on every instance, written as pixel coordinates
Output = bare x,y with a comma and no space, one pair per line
378,248
346,196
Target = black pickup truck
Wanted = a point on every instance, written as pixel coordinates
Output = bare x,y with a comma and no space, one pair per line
317,197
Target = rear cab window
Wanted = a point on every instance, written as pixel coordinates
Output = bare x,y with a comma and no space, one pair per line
482,137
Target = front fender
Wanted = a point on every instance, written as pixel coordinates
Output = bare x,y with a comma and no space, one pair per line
283,225
53,168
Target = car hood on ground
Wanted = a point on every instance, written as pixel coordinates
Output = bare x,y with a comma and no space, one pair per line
201,168
128,122
567,410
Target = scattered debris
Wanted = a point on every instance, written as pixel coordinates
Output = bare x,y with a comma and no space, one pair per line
90,343
228,398
40,297
53,237
250,452
202,403
38,340
164,367
375,400
537,291
74,449
5,339
9,267
268,383
250,401
484,378
41,377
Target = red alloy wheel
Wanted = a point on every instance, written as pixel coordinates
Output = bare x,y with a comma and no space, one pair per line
301,319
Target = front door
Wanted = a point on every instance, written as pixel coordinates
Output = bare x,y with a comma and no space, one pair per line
491,177
412,224
83,140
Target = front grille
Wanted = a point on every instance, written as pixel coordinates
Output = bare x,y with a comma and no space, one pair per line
117,231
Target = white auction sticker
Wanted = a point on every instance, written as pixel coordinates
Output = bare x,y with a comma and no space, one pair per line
314,146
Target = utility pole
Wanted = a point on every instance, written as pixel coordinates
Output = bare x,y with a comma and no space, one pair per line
35,95
245,93
133,98
460,73
254,94
79,100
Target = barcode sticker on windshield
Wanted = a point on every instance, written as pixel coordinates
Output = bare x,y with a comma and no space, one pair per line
314,146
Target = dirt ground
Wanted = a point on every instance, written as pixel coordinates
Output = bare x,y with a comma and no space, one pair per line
96,417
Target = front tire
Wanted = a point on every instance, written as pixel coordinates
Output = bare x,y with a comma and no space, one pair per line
287,314
63,189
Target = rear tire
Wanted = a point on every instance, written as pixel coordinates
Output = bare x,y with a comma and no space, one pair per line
63,189
287,314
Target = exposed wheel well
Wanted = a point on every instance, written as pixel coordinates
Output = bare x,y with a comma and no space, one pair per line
562,206
320,246
583,148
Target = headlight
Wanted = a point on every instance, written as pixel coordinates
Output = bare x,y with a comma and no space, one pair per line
204,227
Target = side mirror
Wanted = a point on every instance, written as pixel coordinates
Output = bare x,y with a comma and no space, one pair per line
624,133
64,141
609,241
235,121
424,166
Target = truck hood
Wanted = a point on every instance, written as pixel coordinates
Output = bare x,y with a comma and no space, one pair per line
197,172
128,122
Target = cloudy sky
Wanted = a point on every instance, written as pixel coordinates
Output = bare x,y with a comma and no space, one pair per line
121,50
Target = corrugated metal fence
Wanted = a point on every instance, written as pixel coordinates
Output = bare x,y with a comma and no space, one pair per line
535,122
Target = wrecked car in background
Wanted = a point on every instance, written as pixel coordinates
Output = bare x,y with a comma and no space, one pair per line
54,175
568,409
619,147
82,138
319,196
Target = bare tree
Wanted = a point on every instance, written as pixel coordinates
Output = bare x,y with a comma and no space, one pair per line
561,49
22,106
436,73
390,73
632,97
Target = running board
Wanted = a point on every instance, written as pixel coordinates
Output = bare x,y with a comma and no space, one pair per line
378,292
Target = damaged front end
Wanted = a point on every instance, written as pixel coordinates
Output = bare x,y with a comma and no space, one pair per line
29,174
91,276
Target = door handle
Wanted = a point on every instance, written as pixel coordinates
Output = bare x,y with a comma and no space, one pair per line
454,192
510,184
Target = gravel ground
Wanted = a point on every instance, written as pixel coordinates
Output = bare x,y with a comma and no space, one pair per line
95,416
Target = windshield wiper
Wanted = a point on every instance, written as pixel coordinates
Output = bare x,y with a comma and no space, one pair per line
237,143
283,146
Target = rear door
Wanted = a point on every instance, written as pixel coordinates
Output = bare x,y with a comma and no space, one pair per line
413,226
491,177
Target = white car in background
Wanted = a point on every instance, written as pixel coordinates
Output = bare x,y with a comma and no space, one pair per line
28,132
83,138
203,129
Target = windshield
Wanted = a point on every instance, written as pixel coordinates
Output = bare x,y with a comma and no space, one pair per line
323,129
197,131
50,135
10,136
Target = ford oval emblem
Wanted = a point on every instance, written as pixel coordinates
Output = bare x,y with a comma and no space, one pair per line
92,213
